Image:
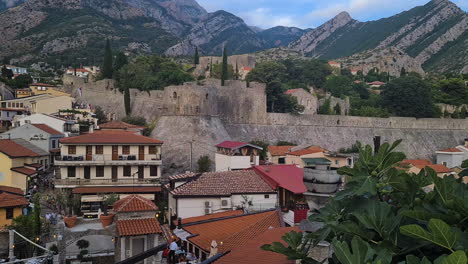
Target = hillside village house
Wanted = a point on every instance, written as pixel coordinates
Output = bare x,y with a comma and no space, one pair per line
376,84
306,99
120,125
7,115
20,160
221,234
54,122
192,194
277,154
453,157
234,155
20,93
137,228
12,203
82,73
117,161
416,165
16,69
43,103
43,88
243,72
300,156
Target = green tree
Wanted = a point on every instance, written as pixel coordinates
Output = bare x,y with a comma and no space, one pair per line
100,115
361,90
21,81
267,72
463,112
337,109
218,71
204,164
338,86
384,215
285,143
196,57
403,72
7,73
325,108
107,66
224,69
452,91
120,61
369,111
408,96
135,120
262,153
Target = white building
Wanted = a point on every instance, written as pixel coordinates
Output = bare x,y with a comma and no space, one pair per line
192,194
17,70
52,121
453,157
234,155
83,73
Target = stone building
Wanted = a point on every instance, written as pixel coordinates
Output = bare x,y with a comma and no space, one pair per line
306,99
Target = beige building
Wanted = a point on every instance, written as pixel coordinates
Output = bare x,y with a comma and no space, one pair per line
115,161
39,104
44,88
301,157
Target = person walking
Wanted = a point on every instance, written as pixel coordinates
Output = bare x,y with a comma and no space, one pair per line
173,247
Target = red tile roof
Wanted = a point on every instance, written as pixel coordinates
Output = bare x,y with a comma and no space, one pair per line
15,150
439,168
122,189
232,232
10,189
48,129
291,91
209,217
376,83
279,150
134,203
333,62
110,137
246,68
182,176
25,171
310,150
289,177
416,162
224,183
139,226
12,200
115,124
235,145
451,150
251,250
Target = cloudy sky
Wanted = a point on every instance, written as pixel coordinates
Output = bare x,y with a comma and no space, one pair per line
311,13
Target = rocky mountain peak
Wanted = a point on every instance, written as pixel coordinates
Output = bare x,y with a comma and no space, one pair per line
343,16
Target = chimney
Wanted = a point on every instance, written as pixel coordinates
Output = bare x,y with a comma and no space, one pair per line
376,144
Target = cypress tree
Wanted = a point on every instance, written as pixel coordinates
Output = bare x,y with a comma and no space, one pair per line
211,67
107,69
402,72
224,70
196,59
237,71
127,105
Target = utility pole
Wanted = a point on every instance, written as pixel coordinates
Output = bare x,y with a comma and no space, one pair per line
11,252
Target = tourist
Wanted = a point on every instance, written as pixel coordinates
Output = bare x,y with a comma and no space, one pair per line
172,249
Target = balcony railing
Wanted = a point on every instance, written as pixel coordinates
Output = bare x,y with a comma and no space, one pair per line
108,159
112,182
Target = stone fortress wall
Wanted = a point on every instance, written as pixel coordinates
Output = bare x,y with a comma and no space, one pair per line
208,114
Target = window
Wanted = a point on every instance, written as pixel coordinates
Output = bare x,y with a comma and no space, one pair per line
281,160
71,172
127,171
71,150
444,163
99,171
54,143
9,213
267,196
99,150
125,150
153,171
337,162
152,150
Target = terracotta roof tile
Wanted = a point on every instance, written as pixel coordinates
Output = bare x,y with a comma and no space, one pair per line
416,162
134,203
12,200
279,150
209,217
15,150
115,124
48,129
439,168
136,227
232,231
224,183
110,137
309,150
289,177
451,150
291,91
183,176
122,189
10,189
251,249
376,83
25,171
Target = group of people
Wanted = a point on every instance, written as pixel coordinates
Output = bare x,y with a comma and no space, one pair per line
179,254
51,218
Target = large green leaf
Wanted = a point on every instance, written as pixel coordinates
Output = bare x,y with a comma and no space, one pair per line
439,233
410,259
458,257
378,216
359,253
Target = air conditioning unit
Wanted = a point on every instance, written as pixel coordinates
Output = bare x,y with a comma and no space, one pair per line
225,203
208,204
208,211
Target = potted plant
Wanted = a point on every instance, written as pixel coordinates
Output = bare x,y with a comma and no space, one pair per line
106,218
70,203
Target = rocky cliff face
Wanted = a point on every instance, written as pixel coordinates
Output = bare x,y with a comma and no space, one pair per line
213,32
425,33
4,4
280,36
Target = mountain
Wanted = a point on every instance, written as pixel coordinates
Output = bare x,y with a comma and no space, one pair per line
4,4
213,32
429,34
74,31
280,36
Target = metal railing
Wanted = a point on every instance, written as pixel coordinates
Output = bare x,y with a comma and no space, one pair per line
108,157
119,181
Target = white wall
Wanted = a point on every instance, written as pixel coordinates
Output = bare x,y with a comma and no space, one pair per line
54,123
226,163
452,160
191,207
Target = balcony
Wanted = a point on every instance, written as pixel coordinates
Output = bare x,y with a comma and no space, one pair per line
109,160
71,183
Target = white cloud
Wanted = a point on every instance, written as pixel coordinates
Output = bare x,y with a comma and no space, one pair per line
265,18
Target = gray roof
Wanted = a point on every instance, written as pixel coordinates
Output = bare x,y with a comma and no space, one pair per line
30,146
